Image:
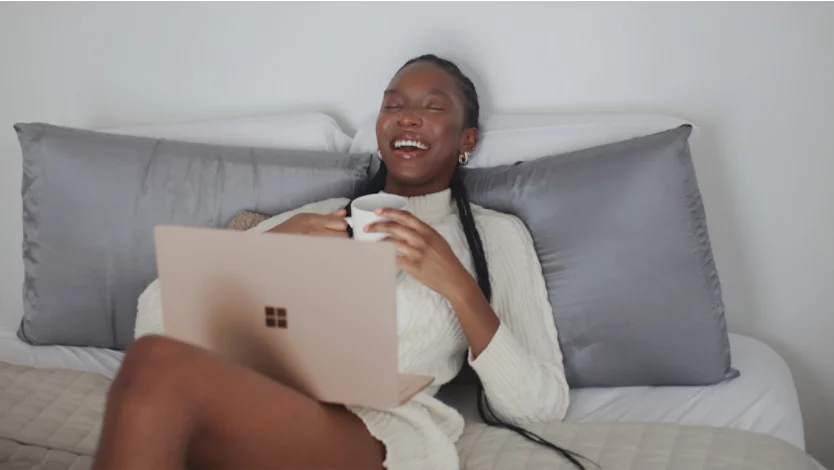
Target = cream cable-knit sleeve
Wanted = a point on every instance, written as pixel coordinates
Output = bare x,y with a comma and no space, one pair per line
149,305
521,368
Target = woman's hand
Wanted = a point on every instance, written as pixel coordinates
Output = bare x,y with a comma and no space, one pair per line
425,254
333,225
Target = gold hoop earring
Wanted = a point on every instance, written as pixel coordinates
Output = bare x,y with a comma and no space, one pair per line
463,158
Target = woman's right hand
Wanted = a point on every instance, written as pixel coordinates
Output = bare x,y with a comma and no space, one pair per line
333,225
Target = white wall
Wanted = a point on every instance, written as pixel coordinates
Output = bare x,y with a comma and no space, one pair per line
758,79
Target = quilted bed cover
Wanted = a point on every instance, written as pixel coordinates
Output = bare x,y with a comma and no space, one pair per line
50,419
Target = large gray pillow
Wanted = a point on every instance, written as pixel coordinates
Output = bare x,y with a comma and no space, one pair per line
622,236
91,201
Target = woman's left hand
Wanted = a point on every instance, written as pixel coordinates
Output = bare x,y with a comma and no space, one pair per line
425,254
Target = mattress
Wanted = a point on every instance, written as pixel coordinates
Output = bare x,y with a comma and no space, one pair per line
51,418
763,399
630,446
101,361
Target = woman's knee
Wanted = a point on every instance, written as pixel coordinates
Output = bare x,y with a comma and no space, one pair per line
151,362
148,388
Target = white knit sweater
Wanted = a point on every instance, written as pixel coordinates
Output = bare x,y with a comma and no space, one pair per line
521,368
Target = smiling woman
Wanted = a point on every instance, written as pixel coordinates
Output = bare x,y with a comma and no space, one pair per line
471,289
423,121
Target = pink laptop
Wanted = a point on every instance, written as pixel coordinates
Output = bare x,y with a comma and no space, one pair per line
317,314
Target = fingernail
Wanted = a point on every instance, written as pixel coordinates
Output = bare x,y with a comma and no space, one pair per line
378,212
367,228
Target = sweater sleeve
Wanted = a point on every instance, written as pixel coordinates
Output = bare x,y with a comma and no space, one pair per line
521,368
149,305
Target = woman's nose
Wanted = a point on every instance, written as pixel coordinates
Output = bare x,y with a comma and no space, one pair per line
410,119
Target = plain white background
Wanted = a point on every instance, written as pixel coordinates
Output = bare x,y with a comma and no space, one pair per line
757,78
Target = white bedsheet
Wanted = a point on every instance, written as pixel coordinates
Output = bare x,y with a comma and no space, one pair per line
763,399
102,361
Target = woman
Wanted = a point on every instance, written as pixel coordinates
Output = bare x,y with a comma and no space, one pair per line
173,404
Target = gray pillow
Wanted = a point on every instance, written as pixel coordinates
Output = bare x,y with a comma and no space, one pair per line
622,236
91,201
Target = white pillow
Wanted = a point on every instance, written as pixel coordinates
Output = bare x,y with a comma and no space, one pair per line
311,131
509,138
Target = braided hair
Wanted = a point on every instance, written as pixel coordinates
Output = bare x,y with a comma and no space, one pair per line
471,112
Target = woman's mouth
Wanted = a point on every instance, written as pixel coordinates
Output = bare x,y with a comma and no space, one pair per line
409,148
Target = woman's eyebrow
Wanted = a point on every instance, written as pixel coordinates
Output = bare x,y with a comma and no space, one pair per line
395,91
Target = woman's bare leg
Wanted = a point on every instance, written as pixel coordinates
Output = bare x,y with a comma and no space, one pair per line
173,405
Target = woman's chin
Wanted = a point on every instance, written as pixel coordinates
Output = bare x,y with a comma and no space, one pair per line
408,170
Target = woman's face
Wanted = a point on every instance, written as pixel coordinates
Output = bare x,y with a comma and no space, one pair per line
420,130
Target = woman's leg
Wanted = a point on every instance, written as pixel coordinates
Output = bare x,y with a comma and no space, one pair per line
173,404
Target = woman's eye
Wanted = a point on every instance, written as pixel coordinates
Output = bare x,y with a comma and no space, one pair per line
392,107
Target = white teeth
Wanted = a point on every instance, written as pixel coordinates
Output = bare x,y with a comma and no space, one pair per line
410,143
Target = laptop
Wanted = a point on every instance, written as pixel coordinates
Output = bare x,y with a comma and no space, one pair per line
317,314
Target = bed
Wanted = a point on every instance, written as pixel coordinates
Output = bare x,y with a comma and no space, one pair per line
52,397
51,418
763,399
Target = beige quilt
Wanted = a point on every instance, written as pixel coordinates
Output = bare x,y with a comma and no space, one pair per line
50,420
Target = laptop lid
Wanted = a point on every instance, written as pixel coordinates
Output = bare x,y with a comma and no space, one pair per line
316,313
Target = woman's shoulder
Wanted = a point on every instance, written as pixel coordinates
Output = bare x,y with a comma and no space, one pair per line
510,251
494,224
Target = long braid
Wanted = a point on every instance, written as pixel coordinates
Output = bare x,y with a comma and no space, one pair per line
473,239
476,248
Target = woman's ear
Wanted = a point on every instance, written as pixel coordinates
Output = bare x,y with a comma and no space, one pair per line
469,139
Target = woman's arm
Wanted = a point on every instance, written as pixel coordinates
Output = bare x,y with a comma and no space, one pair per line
522,367
476,316
513,342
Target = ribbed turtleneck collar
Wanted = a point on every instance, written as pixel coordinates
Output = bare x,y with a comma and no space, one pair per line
433,206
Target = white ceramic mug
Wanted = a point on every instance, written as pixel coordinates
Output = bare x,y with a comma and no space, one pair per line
362,213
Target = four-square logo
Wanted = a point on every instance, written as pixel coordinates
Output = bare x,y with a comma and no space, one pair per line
276,317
